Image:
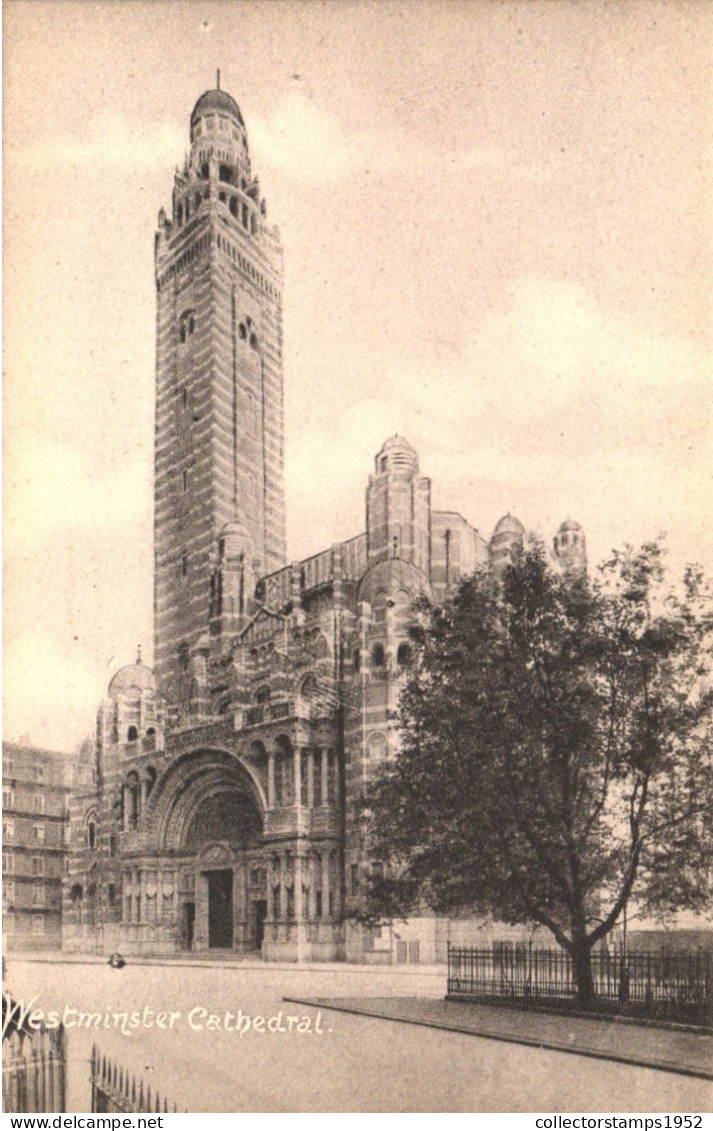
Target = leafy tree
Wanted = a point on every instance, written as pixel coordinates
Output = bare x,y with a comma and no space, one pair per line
556,752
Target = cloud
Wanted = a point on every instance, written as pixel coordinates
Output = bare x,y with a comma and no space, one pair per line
554,404
108,140
50,488
304,141
49,692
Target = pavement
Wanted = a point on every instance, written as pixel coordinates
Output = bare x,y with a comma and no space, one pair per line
682,1051
670,1049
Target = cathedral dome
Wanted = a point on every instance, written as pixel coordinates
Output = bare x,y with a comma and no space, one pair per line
392,575
509,525
133,675
397,453
568,524
217,100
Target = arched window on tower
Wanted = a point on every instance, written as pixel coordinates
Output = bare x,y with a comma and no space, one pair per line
91,835
404,656
378,656
132,734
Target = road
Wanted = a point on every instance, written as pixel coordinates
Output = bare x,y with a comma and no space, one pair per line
354,1064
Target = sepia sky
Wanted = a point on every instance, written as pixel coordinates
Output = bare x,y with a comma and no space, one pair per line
496,220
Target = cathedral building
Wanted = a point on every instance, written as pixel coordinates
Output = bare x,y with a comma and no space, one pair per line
220,808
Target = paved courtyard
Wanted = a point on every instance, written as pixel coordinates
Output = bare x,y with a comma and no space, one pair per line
344,1063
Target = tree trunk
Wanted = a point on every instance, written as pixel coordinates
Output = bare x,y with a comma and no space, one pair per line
582,967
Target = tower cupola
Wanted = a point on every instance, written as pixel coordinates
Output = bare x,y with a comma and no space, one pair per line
398,507
571,547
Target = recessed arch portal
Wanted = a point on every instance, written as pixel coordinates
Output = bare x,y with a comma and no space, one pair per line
208,794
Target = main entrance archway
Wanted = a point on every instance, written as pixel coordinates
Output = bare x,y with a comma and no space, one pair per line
211,814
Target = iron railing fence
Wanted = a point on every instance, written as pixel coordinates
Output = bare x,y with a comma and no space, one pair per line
660,986
116,1090
34,1070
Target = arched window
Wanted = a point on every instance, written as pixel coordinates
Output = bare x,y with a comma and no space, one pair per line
234,206
132,734
378,656
253,341
76,893
150,779
111,894
184,656
376,747
357,659
92,835
263,694
242,332
404,655
308,687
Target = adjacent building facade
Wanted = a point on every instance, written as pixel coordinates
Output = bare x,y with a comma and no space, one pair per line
34,845
220,808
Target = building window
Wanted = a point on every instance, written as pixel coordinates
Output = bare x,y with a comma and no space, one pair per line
357,659
184,656
8,799
378,656
38,866
187,324
185,481
38,894
38,924
112,844
39,773
404,656
354,878
132,734
184,565
76,893
242,332
39,832
38,803
111,894
8,828
8,862
91,827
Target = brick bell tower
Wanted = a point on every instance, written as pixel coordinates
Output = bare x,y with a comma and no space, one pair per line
219,381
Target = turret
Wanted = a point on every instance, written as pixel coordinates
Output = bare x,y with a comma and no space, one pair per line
507,537
571,547
398,507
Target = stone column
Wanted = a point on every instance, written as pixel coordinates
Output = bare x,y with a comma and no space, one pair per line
283,887
134,896
298,777
143,794
124,806
325,777
299,909
271,779
325,885
159,895
337,784
142,886
310,779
